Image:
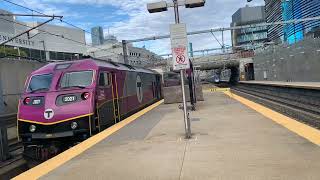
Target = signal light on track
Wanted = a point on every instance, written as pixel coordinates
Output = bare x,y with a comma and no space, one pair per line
85,96
27,100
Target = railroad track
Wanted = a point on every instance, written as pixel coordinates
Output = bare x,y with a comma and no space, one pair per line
299,103
15,164
11,122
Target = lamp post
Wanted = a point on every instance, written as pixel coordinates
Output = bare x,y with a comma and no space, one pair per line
163,6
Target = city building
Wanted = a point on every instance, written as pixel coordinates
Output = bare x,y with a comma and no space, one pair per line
48,42
112,49
285,10
97,36
273,10
250,37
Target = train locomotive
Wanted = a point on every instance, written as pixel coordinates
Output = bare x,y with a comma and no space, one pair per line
65,103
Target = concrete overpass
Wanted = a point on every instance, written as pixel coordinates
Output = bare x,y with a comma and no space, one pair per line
211,62
220,62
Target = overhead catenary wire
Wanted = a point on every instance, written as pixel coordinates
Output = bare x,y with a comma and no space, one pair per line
57,35
68,23
61,20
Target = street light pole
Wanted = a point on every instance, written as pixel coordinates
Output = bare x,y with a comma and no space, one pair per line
185,113
163,6
176,11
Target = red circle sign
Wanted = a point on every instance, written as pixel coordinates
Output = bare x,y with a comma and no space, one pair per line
180,59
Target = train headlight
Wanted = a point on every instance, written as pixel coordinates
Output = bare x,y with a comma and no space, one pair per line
27,101
32,128
85,96
74,125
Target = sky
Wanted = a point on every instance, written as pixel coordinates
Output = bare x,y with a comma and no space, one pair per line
129,19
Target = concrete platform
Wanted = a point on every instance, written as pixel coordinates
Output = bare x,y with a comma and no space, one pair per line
230,141
305,85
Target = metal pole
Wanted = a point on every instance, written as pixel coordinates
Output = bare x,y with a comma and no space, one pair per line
185,113
19,53
223,46
125,53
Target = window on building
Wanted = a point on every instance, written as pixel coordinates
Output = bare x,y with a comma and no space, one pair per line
53,55
67,56
35,54
60,56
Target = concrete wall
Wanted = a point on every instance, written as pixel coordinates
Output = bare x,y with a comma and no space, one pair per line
299,62
173,94
1,100
13,74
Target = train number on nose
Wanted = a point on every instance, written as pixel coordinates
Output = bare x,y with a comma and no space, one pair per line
67,99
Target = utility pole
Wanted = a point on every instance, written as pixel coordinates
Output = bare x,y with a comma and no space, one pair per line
125,52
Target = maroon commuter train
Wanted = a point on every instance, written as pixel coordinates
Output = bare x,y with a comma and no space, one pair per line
65,103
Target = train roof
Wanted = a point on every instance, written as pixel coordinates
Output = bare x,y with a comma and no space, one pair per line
91,63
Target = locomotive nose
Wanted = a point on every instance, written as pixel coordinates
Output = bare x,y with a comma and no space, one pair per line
59,114
53,107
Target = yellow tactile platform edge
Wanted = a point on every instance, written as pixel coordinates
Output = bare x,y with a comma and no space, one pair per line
216,90
309,133
53,163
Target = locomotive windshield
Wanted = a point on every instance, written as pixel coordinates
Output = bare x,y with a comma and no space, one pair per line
40,82
79,79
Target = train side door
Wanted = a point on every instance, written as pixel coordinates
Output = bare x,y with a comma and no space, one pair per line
115,97
158,87
105,108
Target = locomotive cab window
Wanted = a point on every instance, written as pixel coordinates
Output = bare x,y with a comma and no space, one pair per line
104,79
80,79
40,82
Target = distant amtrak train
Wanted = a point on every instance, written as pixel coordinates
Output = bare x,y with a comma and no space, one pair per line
65,103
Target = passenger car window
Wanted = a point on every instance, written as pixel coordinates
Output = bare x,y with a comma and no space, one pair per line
104,79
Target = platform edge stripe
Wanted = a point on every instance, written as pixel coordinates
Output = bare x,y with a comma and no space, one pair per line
303,130
51,164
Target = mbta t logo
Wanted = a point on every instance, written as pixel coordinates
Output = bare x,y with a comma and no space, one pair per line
48,114
139,89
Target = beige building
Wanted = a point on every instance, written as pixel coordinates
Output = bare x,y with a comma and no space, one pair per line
112,49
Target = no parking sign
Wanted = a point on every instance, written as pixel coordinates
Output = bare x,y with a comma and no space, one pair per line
179,46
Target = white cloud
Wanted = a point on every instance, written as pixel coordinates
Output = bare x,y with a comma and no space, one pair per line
216,13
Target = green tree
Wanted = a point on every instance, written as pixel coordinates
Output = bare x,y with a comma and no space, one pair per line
10,51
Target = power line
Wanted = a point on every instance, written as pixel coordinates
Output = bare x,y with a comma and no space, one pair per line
57,35
61,20
26,32
30,15
68,23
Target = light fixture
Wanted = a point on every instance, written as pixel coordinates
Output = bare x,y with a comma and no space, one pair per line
74,125
85,96
27,101
157,7
32,128
194,3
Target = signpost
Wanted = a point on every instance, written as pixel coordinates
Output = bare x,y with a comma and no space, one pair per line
179,46
180,59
